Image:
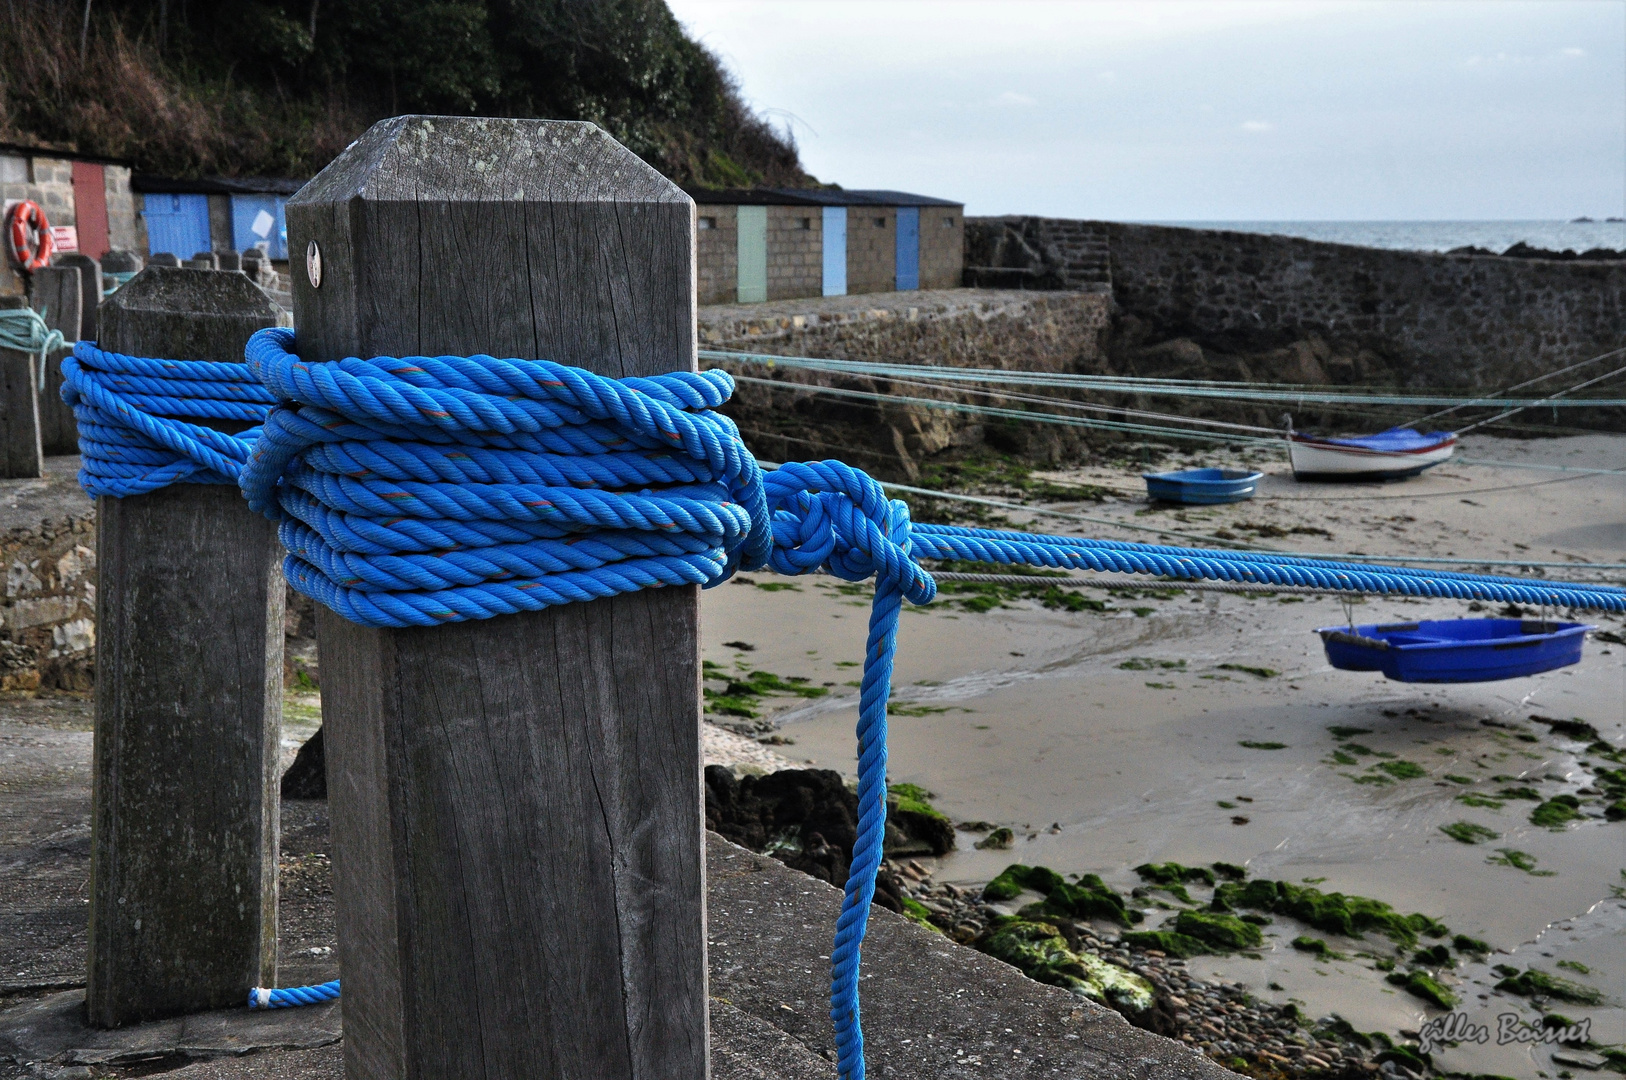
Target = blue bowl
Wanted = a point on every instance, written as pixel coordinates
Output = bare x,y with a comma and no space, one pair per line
1202,486
1455,650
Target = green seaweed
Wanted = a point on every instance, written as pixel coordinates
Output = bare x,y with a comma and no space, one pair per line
1455,779
1172,873
1016,877
916,912
1466,832
1089,898
1402,770
1341,731
1519,860
1261,672
1576,966
1422,985
1229,871
999,839
1253,744
1527,793
1465,944
1556,811
1038,950
1341,758
1357,748
1332,913
1224,931
1533,983
1167,941
1469,798
1435,956
1305,943
1147,663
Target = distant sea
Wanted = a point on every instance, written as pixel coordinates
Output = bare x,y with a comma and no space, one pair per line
1437,235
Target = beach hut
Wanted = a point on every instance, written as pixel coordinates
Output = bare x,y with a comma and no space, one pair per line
216,214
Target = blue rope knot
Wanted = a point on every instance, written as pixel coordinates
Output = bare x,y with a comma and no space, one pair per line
830,515
136,420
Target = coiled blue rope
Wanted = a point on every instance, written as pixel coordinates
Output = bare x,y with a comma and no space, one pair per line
422,490
135,415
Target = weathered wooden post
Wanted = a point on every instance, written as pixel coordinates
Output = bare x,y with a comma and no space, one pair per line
515,802
183,911
90,291
57,293
21,453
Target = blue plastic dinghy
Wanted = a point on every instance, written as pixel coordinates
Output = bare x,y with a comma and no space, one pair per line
1455,650
1202,486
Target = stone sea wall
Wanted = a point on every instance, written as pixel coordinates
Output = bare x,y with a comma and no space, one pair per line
1400,318
1011,330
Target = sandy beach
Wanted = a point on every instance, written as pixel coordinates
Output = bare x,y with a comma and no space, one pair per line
1107,739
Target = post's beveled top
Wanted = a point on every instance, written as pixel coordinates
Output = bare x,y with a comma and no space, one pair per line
481,159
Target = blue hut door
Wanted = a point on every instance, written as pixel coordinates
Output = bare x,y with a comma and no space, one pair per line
178,224
753,251
908,248
835,251
258,221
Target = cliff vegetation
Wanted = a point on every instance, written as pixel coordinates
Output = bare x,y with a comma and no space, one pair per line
278,87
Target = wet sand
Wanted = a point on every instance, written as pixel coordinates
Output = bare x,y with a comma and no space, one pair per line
1025,717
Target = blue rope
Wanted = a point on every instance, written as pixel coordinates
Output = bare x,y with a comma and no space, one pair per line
425,490
262,998
134,432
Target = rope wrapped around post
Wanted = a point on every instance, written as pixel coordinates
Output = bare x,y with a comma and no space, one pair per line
134,416
24,330
421,490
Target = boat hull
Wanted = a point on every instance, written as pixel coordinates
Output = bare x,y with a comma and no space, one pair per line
1455,650
1202,487
1315,460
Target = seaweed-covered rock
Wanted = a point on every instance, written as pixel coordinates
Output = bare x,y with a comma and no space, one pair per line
1040,951
1000,839
909,810
1556,811
1172,873
1168,942
1225,931
1533,983
1333,913
1016,877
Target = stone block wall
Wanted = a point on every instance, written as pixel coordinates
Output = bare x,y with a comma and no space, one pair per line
717,254
45,180
1024,331
48,611
795,252
942,247
126,228
872,249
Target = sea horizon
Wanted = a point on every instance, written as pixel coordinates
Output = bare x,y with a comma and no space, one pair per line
1436,235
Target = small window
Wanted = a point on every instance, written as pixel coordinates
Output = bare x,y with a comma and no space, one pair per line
948,223
708,223
807,223
880,223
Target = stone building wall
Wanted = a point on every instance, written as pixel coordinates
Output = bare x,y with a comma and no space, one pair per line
48,612
717,254
44,180
126,228
942,247
795,251
872,249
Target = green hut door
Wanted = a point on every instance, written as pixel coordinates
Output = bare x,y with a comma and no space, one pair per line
753,251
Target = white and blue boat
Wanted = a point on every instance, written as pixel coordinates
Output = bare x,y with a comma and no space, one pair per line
1389,455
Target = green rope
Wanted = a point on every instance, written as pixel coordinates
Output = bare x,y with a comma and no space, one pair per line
24,330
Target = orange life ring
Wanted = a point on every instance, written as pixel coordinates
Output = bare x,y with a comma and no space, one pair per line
29,235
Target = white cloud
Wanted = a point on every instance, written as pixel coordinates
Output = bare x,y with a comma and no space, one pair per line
1574,52
1256,127
1011,97
1107,76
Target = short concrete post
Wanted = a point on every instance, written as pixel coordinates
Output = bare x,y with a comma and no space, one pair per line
21,454
183,892
515,802
57,294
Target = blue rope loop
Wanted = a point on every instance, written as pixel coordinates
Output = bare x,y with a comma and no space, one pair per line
421,490
134,416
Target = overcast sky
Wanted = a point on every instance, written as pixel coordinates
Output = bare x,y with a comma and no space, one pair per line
1197,111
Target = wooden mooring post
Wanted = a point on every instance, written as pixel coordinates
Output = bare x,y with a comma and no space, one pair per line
57,293
515,802
189,610
21,453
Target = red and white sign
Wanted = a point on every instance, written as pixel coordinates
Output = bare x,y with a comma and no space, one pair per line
65,237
